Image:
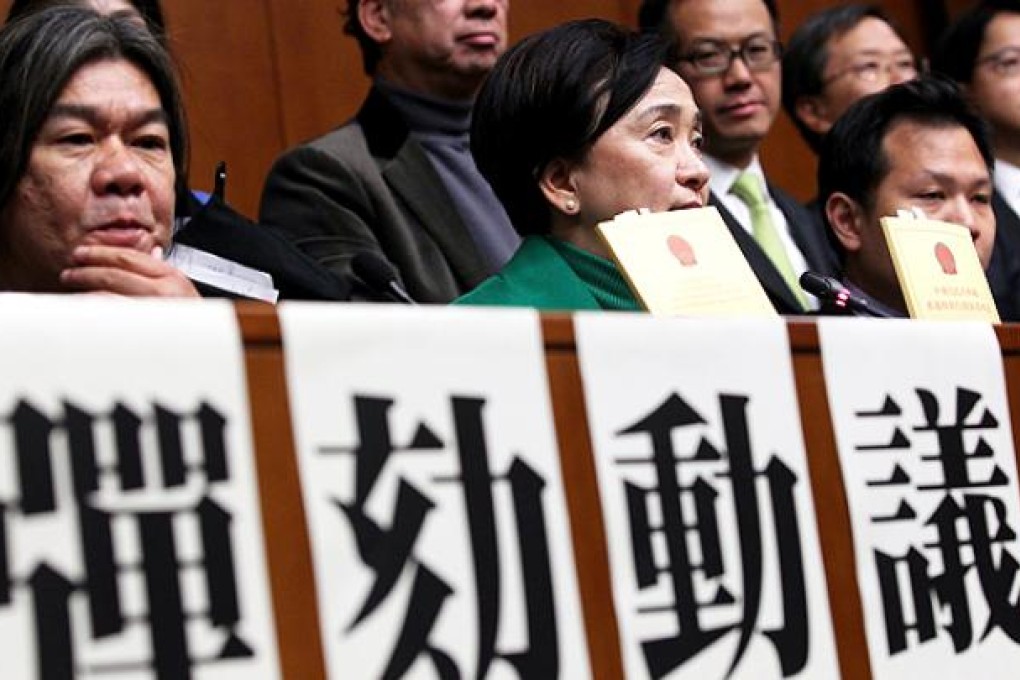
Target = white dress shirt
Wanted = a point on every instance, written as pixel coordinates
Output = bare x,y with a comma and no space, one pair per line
721,182
1007,183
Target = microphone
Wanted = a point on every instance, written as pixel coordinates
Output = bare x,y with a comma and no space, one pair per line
379,276
830,290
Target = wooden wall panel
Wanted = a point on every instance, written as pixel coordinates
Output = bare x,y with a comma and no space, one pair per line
320,81
528,16
229,76
955,7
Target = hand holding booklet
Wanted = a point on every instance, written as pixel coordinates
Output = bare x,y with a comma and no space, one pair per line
938,269
684,263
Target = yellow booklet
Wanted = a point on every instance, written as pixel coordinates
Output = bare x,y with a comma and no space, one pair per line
938,269
684,263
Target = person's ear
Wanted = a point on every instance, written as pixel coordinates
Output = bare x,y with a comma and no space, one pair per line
814,114
557,185
374,17
846,219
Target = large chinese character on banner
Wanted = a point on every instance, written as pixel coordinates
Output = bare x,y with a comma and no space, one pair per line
703,478
925,445
431,482
130,533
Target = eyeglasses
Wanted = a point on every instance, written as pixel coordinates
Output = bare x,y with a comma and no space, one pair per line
1005,62
874,70
713,57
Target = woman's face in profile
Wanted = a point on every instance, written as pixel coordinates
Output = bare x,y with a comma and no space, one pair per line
650,158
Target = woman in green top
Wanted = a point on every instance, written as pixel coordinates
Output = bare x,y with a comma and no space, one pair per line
575,125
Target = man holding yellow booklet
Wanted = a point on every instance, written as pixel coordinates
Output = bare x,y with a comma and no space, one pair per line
916,147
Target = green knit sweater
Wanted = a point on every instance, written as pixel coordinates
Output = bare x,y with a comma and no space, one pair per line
550,274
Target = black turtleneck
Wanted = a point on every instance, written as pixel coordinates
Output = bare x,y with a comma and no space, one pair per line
442,127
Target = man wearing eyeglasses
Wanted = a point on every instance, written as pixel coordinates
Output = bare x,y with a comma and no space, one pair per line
727,50
834,58
981,52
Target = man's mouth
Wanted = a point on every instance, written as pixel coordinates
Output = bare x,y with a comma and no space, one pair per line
742,108
480,40
120,233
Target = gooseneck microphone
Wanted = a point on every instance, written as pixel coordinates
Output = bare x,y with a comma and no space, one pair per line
830,290
377,274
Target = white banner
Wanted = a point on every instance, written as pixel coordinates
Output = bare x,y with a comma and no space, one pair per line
432,487
706,498
925,444
129,512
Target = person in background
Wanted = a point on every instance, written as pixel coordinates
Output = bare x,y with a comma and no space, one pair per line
835,57
729,52
92,156
981,52
399,181
575,125
917,144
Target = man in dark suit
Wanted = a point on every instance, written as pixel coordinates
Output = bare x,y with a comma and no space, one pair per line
916,145
981,52
833,58
729,53
399,181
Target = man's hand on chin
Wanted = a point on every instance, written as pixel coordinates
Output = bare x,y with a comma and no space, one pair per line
125,271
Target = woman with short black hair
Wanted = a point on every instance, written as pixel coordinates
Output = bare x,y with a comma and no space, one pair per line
573,126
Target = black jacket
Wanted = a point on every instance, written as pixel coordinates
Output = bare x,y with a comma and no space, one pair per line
811,241
218,229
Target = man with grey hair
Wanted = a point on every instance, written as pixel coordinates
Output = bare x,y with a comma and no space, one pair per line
398,181
93,153
92,147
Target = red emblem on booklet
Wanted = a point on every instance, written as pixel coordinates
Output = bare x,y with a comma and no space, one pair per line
946,259
682,251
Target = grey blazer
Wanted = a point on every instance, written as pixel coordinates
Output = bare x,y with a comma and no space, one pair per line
367,186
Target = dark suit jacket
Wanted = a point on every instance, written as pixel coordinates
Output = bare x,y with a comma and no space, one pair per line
1004,267
218,229
803,229
368,186
817,224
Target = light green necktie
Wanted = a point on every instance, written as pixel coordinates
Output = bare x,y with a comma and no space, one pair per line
748,189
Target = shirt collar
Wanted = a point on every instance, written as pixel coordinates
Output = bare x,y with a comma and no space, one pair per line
1007,179
723,175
